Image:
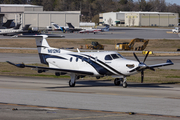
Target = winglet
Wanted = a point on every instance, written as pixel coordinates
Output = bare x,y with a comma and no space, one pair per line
169,61
17,65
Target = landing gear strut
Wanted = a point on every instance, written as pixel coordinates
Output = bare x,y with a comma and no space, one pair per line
72,81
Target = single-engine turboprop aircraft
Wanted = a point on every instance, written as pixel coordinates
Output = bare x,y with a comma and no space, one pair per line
81,64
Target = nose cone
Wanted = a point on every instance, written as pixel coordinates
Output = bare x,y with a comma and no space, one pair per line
142,65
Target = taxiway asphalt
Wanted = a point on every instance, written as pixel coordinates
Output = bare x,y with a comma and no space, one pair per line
96,99
120,33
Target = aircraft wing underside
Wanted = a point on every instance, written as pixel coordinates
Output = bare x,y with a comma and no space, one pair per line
43,69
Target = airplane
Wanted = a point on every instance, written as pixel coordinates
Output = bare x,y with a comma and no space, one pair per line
72,28
6,25
95,30
59,28
15,30
81,64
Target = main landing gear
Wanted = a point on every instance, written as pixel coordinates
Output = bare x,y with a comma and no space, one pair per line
118,81
72,81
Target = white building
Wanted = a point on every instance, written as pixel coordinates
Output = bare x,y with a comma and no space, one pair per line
34,15
112,18
139,18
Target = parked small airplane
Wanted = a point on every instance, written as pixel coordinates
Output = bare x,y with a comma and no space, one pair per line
59,28
15,30
81,64
72,28
6,25
94,30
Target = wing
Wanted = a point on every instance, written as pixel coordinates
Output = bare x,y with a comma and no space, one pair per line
52,69
169,62
151,67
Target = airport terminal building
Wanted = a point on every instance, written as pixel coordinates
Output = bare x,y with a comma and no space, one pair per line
139,18
34,15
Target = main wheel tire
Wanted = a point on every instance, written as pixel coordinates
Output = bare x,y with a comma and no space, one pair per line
116,82
71,84
124,84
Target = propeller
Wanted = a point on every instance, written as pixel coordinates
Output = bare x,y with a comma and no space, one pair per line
142,66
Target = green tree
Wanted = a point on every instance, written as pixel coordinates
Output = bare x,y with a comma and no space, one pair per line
36,2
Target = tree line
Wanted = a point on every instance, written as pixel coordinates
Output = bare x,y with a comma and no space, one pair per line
90,9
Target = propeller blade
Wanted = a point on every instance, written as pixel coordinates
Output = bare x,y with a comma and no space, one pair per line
146,56
136,58
142,76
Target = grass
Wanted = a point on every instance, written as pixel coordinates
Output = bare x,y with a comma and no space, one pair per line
159,76
154,44
172,76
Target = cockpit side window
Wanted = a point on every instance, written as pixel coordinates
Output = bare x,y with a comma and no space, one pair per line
108,57
115,56
120,55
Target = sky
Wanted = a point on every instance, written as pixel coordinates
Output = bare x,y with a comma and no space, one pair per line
169,1
173,1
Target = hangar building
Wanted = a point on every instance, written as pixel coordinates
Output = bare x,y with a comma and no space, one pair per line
34,15
139,18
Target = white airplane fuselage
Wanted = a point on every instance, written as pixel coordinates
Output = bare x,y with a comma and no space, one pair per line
90,31
6,31
95,62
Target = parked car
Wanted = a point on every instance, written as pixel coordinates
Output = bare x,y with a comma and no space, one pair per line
176,30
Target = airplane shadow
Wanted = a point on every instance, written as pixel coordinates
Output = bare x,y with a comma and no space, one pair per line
93,83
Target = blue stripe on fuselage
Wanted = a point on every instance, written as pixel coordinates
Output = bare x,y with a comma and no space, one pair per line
100,69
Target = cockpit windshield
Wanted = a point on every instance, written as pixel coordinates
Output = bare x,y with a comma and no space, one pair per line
115,56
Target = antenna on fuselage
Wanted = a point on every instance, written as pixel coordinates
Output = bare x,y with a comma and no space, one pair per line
78,50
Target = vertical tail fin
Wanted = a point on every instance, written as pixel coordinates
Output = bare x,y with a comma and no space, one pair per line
44,50
7,23
55,25
17,26
105,29
70,25
26,27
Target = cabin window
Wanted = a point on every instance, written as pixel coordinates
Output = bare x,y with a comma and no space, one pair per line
108,57
71,59
82,59
114,56
76,59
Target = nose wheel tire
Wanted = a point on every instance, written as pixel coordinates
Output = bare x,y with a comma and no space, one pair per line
124,84
71,84
116,82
